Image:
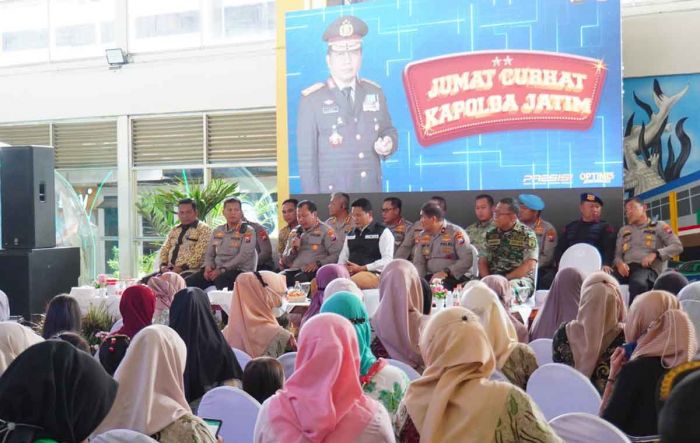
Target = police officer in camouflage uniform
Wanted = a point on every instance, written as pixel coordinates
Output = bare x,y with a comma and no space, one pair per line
391,216
531,207
483,209
344,129
231,251
442,249
642,249
511,250
311,245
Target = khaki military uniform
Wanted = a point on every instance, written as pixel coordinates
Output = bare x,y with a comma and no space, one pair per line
340,227
477,233
282,238
406,250
399,230
634,242
448,249
263,246
507,250
319,244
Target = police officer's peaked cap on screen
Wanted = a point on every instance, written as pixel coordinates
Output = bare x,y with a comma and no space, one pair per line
590,197
346,27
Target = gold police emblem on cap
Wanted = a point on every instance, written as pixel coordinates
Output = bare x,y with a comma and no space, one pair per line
590,197
346,29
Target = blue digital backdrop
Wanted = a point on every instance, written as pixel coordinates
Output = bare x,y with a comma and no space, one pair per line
409,30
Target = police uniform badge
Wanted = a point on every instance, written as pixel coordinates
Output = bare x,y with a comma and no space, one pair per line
346,29
371,103
459,238
335,139
314,247
331,234
248,237
551,234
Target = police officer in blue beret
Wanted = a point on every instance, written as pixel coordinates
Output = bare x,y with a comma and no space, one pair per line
531,207
344,129
590,229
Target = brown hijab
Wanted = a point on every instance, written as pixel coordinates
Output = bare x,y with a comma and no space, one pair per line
561,304
501,286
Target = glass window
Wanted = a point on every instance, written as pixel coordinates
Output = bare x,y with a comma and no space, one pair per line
683,207
257,186
665,213
683,194
236,20
164,24
24,32
81,28
695,203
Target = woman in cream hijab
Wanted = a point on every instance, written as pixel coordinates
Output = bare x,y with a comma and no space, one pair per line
587,342
14,339
664,338
454,400
151,394
515,360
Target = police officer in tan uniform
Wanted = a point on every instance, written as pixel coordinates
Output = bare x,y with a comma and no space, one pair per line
442,248
344,129
289,214
391,216
231,251
339,211
531,207
643,248
263,246
311,245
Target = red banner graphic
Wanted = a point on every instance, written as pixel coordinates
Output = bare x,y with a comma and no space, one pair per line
465,94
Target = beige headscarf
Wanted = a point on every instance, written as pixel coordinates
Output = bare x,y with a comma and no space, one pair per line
480,299
399,317
660,329
598,321
252,325
151,392
14,339
454,400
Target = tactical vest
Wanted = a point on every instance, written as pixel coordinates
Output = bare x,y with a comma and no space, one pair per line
364,246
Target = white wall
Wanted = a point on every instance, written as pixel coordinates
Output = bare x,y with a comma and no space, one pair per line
182,81
661,44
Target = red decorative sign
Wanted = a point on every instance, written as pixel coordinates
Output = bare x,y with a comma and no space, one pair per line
466,94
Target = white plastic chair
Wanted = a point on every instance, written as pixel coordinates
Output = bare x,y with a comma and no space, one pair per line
542,347
371,300
583,257
288,360
625,292
690,291
122,436
692,308
410,372
579,427
540,297
242,357
474,271
237,411
498,376
558,389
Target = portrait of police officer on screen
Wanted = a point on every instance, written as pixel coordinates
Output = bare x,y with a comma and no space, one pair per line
343,125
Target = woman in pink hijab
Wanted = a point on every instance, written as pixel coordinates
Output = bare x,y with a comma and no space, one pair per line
165,286
499,284
323,400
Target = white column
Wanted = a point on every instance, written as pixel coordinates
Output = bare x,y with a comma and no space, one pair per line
125,200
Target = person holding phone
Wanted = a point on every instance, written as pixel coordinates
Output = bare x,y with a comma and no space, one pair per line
664,338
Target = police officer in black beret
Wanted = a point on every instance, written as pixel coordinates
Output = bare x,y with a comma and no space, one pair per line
590,229
344,129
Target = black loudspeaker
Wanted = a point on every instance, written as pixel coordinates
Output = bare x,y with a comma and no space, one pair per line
31,277
28,198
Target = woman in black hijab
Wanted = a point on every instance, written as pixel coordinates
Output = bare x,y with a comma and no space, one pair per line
210,360
671,281
53,391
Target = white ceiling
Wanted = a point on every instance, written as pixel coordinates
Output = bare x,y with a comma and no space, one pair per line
645,7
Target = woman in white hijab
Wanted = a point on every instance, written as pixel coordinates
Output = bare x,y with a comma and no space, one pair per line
14,339
4,307
515,360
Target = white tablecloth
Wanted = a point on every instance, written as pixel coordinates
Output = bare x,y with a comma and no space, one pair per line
89,296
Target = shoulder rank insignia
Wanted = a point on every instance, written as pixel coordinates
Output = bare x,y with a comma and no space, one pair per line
370,82
313,88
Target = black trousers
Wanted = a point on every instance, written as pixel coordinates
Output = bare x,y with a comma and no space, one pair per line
640,279
296,275
450,282
224,280
545,277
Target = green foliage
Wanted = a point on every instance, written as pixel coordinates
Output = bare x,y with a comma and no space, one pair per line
113,262
158,207
96,320
146,263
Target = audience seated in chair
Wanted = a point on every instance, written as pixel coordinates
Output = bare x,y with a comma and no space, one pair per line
262,377
54,391
671,281
62,314
164,287
210,360
560,305
454,400
665,338
327,408
77,340
137,306
14,339
151,396
112,351
680,415
252,326
588,341
398,320
325,275
501,286
515,360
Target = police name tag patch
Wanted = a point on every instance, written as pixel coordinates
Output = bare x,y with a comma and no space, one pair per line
330,109
350,237
371,103
371,236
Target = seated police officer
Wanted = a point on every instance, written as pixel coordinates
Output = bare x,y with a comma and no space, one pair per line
367,248
442,248
311,245
231,251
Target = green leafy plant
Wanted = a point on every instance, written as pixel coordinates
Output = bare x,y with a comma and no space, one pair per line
96,320
146,263
158,207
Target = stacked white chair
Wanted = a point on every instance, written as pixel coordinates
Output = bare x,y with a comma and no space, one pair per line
288,360
692,308
558,389
242,357
579,427
542,347
583,257
237,411
122,436
410,372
